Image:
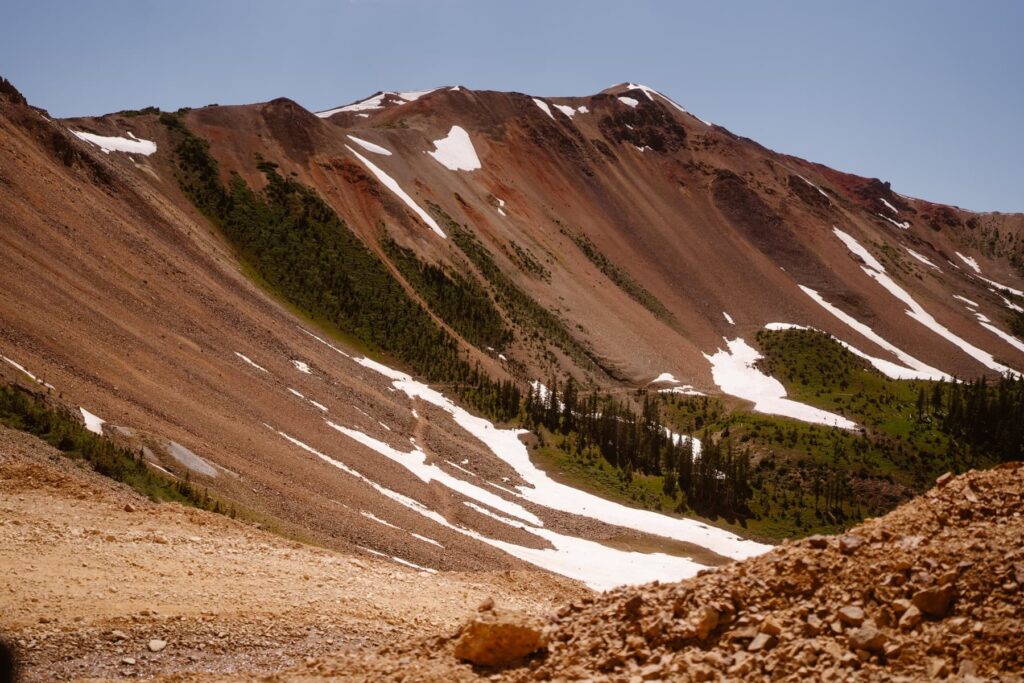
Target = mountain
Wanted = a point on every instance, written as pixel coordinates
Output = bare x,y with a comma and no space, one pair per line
336,323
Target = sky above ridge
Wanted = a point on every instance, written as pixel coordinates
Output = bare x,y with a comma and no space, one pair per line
928,95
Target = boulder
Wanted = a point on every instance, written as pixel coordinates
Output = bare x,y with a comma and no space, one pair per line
494,640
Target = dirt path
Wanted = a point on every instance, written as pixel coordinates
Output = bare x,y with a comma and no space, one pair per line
91,573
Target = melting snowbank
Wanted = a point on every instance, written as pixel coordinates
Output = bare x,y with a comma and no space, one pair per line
542,490
456,152
734,371
370,147
92,422
117,144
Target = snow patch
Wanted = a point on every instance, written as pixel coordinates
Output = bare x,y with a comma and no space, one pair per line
734,371
916,369
542,490
905,225
302,366
629,101
376,102
131,145
922,259
369,146
728,318
544,107
21,368
250,361
393,185
915,311
891,207
456,152
665,377
966,300
1005,288
190,460
969,261
92,422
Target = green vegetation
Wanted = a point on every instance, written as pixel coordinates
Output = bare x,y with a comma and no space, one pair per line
30,412
526,261
520,306
460,302
620,277
778,477
598,433
302,250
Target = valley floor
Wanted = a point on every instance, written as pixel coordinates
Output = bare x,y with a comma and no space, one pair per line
93,578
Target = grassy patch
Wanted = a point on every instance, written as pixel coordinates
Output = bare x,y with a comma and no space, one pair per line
31,413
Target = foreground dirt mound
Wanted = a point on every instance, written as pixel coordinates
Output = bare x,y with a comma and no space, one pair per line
931,590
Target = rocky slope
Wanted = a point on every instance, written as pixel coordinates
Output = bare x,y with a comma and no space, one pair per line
931,591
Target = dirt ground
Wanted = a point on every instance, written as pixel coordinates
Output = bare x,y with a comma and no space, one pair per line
91,575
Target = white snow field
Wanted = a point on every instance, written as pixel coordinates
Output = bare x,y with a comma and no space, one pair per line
733,370
997,285
544,107
132,145
629,101
370,147
92,422
393,185
569,111
904,225
597,565
456,152
914,310
969,261
376,102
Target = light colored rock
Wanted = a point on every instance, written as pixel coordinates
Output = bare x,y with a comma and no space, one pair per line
851,615
910,619
498,640
156,645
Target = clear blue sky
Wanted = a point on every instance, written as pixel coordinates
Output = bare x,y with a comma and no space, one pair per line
926,94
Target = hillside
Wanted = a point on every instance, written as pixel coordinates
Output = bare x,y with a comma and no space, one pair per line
479,331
